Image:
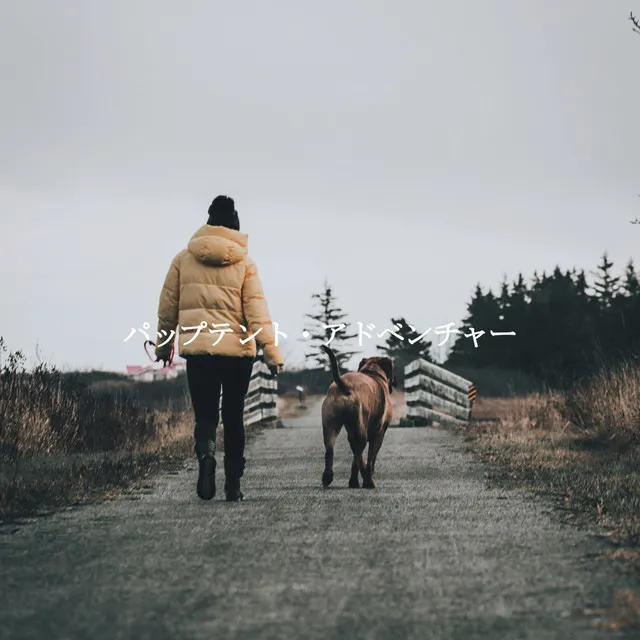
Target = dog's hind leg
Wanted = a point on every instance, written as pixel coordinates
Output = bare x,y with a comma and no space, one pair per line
374,449
354,480
358,442
367,470
330,432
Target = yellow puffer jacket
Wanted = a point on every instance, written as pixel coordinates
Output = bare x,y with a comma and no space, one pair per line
214,282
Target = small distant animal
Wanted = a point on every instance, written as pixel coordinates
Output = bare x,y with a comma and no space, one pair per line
361,402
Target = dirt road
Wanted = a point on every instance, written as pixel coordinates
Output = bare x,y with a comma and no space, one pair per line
431,553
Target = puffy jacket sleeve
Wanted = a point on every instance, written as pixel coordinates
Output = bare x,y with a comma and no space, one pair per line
168,310
256,313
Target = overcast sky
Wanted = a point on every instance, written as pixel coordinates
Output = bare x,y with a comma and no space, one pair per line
405,151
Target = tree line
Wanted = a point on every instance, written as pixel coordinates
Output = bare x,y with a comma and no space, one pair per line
565,328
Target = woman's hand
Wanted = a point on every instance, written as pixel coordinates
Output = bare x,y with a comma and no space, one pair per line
275,369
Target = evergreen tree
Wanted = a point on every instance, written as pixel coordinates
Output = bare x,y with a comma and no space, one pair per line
625,315
631,283
585,313
534,358
459,352
569,329
501,345
607,315
605,285
483,314
328,314
535,279
582,288
402,351
487,319
515,318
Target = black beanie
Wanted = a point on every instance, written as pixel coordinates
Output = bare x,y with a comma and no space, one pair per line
222,213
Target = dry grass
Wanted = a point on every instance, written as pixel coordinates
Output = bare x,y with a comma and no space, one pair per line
583,449
60,441
533,441
608,409
624,613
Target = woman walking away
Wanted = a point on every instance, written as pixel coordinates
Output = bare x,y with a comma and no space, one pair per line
213,284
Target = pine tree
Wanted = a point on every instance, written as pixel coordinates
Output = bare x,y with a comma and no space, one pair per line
328,315
605,285
582,287
487,319
501,345
607,315
483,314
519,298
625,314
402,351
586,313
515,317
631,307
631,284
459,352
536,278
562,355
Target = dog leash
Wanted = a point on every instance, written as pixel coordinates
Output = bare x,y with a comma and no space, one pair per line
153,344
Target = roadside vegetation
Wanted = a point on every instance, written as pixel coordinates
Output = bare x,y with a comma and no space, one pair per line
62,442
581,447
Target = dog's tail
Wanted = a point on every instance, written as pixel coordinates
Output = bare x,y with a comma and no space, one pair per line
335,370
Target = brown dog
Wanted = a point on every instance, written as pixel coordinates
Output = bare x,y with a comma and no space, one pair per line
359,400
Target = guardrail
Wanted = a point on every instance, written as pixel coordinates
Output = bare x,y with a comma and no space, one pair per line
433,394
261,401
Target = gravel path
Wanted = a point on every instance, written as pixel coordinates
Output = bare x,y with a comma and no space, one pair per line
431,553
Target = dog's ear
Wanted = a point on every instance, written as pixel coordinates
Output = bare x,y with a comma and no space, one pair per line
362,363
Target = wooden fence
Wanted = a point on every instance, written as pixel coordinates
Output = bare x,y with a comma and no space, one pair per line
433,394
261,401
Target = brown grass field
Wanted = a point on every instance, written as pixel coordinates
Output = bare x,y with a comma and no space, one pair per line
61,444
582,449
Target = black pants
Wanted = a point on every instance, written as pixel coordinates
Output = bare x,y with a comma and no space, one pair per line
207,376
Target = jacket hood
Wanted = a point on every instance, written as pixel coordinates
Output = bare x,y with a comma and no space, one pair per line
214,245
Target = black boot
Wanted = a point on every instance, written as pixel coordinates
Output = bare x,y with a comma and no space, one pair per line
205,449
206,478
233,470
